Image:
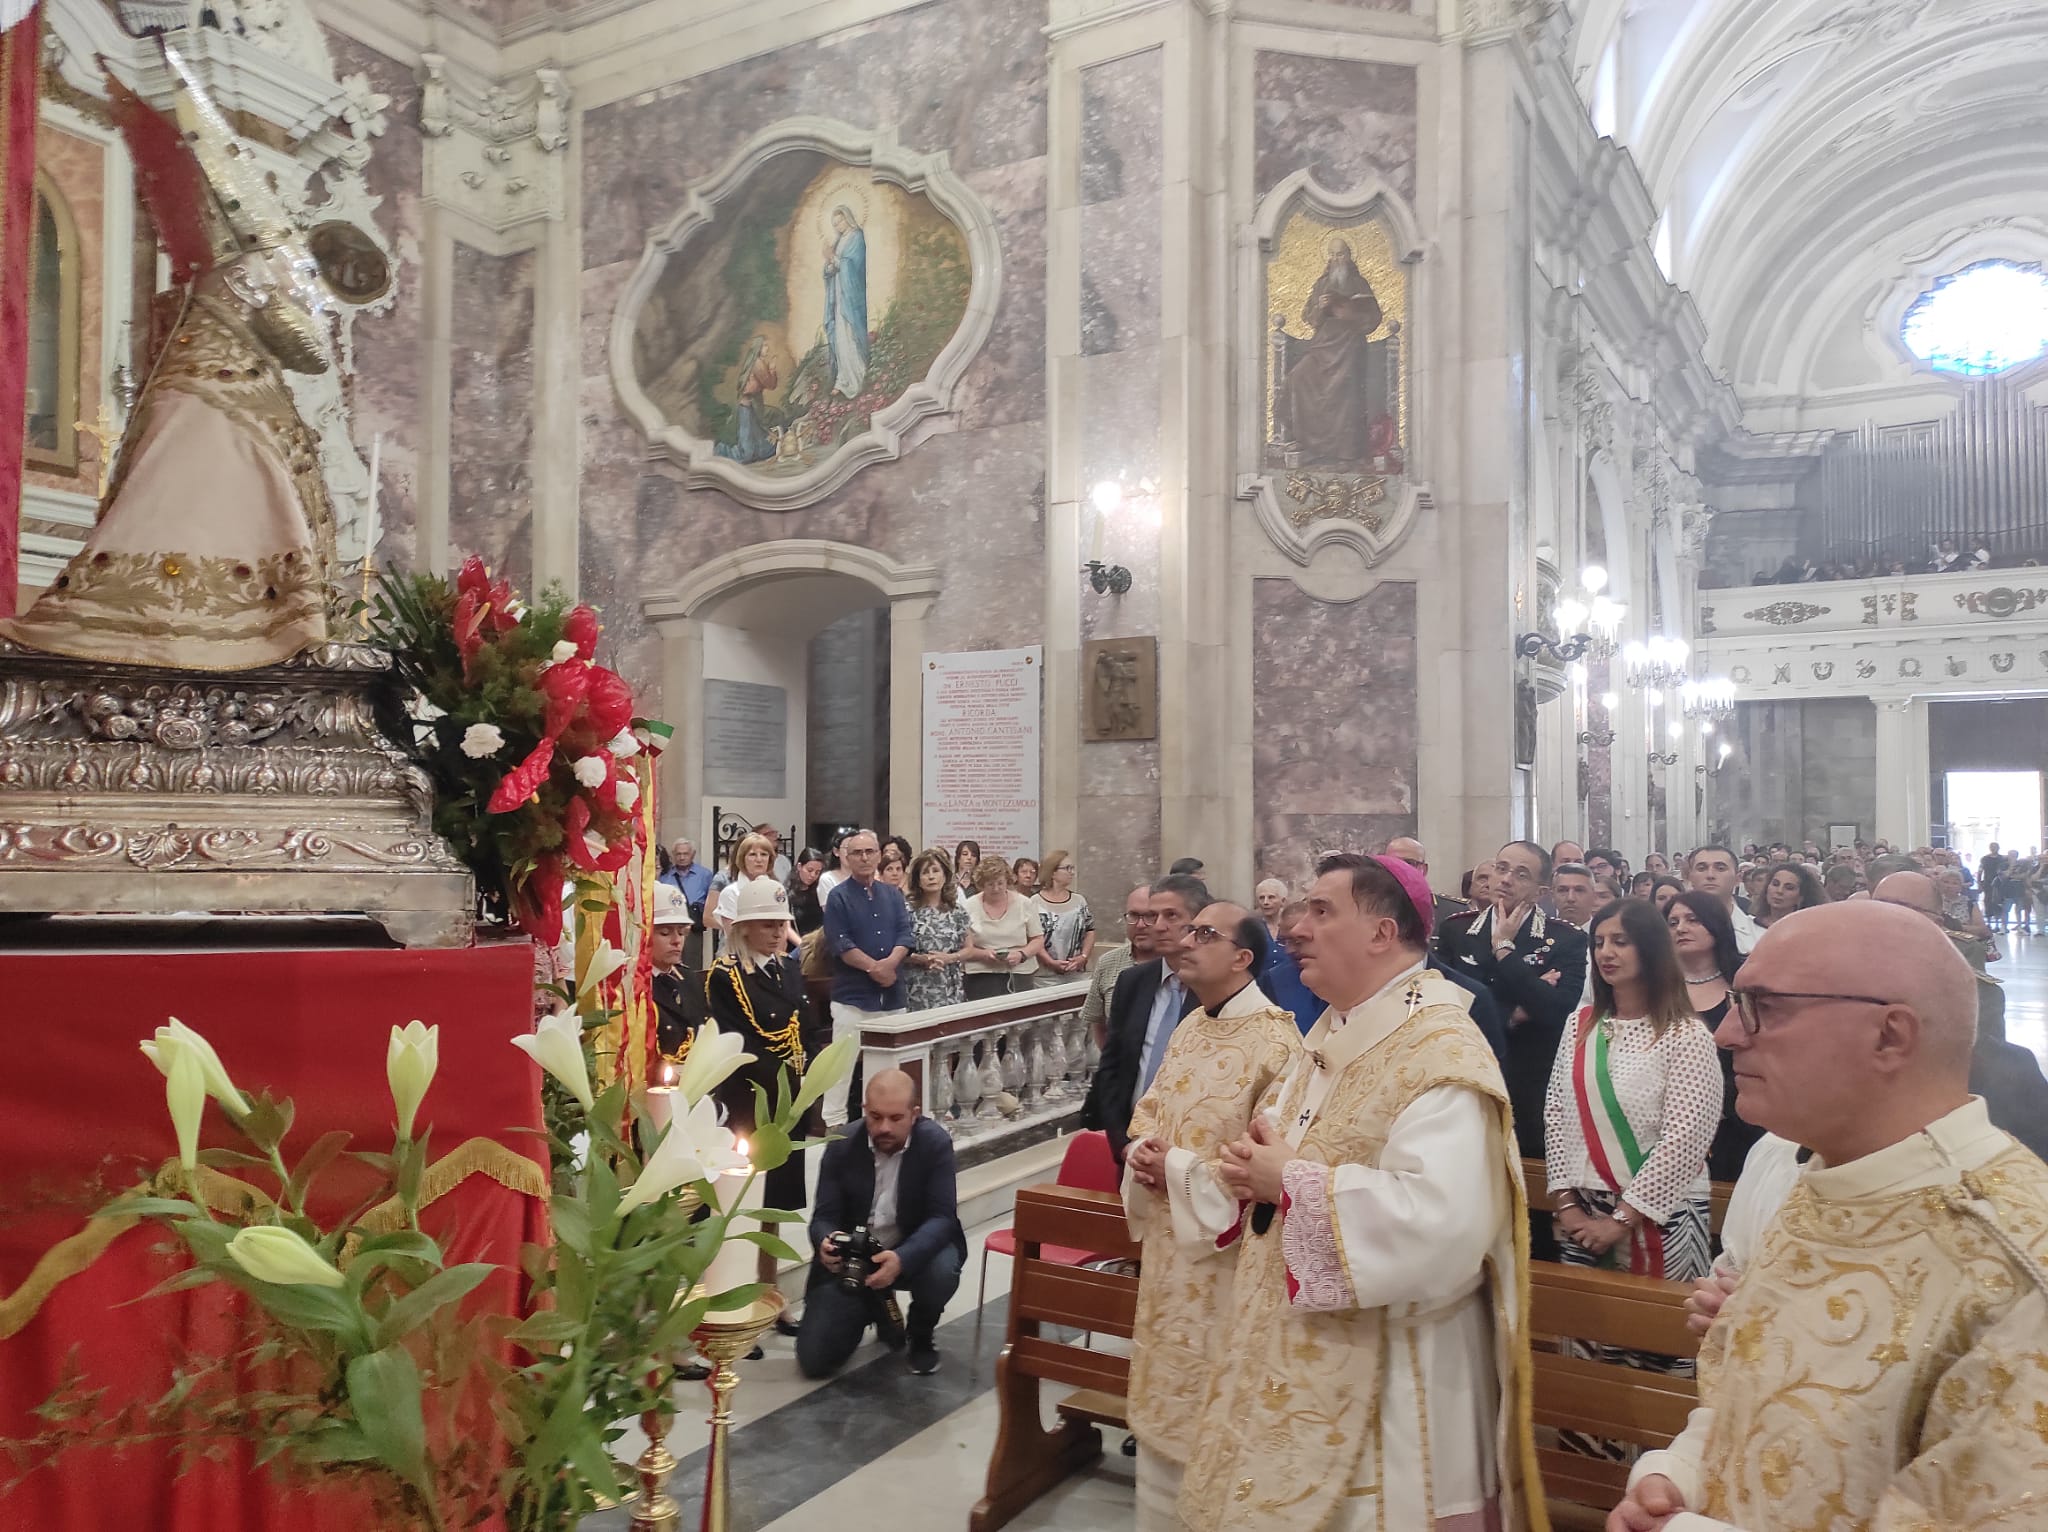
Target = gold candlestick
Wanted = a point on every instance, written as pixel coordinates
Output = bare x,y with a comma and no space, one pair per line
724,1339
656,1510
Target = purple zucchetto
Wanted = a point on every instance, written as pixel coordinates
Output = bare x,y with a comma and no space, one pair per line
1416,887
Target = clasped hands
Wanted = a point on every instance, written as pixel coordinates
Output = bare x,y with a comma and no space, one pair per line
1254,1165
1650,1505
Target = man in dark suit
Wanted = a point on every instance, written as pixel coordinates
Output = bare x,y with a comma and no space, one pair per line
1146,1005
1534,967
893,1175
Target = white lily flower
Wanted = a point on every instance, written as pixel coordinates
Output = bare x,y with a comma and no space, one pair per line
713,1056
591,770
185,1095
695,1148
831,1068
480,740
625,793
604,962
557,1046
409,1065
623,744
272,1253
174,1038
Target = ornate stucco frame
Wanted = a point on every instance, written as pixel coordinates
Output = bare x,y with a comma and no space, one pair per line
925,408
1373,197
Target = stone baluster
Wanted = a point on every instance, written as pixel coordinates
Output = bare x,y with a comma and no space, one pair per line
1013,1064
1077,1056
1056,1059
990,1108
939,1071
966,1091
1034,1064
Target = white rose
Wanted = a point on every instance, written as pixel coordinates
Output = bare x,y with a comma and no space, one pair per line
482,739
626,793
623,744
590,771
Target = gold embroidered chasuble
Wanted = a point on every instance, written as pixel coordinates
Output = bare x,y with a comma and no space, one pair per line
1293,1435
1883,1364
1216,1070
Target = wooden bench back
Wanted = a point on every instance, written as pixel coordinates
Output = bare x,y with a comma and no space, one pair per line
1623,1404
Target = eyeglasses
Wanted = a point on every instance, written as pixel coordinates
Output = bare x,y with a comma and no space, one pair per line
1139,917
863,851
1201,936
1749,1004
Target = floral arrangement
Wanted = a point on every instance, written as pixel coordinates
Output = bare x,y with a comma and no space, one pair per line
531,745
365,1372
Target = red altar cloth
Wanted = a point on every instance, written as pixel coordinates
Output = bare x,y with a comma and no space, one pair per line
312,1025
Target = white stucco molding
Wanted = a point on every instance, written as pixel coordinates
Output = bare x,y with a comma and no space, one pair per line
924,409
1371,198
906,587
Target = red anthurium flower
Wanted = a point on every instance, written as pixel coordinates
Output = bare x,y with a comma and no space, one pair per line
469,623
586,844
581,629
537,901
610,703
503,618
523,780
565,687
473,577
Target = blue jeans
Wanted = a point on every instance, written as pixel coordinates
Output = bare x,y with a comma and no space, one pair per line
835,1320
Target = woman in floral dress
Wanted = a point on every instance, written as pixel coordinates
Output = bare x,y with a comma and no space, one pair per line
940,937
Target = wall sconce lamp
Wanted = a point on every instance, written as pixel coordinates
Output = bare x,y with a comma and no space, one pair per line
1598,738
1564,651
1595,617
1720,761
1663,757
1107,579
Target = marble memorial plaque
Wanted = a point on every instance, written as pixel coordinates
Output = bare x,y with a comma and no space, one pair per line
746,739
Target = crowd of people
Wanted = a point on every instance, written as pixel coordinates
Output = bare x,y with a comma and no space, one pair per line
1945,557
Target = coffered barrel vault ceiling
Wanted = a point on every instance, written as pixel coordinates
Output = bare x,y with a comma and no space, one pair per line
1817,162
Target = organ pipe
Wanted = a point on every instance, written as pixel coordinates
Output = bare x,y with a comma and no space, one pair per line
1980,477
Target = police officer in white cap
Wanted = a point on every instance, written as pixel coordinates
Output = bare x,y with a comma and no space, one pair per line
678,989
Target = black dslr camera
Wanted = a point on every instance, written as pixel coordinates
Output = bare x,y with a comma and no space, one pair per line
856,1252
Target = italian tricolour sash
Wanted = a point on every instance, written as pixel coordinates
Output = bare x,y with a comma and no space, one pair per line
1610,1141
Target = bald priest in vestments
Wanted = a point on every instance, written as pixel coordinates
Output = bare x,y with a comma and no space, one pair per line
1219,1063
1378,1371
1883,1362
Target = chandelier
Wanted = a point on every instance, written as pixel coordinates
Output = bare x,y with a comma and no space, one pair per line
1711,698
1655,664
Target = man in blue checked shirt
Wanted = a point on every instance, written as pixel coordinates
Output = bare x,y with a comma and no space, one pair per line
867,931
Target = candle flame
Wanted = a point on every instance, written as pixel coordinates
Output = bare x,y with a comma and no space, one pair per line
667,1074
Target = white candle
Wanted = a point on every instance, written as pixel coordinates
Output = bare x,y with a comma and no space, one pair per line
371,531
661,1107
737,1262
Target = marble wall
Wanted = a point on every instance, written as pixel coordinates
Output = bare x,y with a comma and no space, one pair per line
1334,723
1122,175
490,480
388,378
1341,118
964,78
1799,767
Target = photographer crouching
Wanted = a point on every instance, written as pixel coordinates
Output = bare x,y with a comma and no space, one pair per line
886,1220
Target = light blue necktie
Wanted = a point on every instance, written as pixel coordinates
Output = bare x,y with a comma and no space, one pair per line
1156,1054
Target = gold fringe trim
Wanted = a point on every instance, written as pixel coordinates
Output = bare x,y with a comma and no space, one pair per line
225,1193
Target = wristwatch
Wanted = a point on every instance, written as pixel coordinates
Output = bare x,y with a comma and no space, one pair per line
1625,1215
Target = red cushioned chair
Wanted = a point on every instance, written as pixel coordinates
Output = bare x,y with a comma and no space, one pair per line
1087,1165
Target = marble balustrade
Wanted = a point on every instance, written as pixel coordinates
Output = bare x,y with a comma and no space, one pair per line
994,1073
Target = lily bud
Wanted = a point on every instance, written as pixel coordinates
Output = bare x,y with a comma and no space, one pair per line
557,1046
272,1253
174,1038
713,1056
409,1066
832,1067
695,1148
605,960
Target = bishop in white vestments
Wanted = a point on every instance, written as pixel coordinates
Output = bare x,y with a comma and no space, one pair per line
1219,1064
1377,1375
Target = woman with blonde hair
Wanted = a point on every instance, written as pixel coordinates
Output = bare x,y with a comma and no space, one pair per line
1005,927
753,856
1064,919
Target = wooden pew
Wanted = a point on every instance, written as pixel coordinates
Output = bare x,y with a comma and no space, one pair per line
1624,1404
1028,1459
1534,1178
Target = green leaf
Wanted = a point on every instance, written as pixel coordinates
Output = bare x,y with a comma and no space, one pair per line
268,1121
384,1392
150,1207
419,1305
769,1146
570,1217
315,1160
675,1329
336,1442
736,1297
545,1330
778,1215
231,1159
778,1248
195,1276
310,1308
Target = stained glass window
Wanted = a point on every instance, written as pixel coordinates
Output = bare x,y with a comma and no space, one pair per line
1983,319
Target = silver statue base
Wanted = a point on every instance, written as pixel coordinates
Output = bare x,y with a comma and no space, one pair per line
128,789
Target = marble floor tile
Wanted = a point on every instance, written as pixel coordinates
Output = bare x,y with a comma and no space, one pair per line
2024,973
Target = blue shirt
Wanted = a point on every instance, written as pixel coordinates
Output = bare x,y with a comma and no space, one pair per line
694,881
876,920
1283,985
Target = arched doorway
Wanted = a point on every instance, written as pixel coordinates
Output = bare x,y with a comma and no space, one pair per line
790,672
